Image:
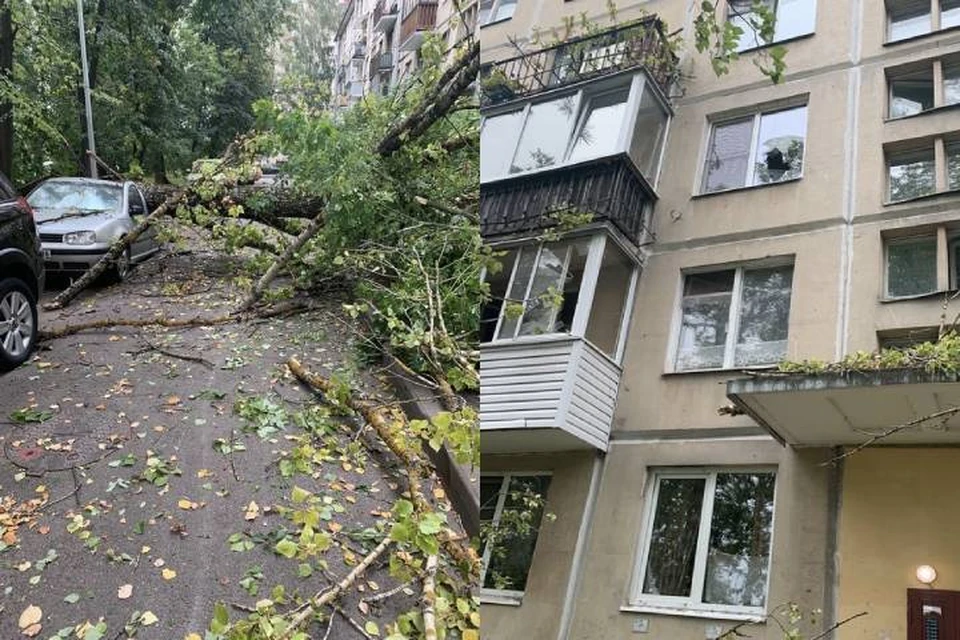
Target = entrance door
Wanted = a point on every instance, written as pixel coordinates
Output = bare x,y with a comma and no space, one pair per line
933,614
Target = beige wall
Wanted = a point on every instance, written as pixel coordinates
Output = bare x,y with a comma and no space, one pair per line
898,513
539,614
800,533
649,399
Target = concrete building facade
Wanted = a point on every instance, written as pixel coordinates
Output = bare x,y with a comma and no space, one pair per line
377,44
756,223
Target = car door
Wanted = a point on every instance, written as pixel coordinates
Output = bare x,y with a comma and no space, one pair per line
137,209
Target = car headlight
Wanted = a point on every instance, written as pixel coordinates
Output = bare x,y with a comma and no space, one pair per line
80,237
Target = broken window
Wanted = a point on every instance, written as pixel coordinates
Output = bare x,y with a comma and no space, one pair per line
708,539
761,149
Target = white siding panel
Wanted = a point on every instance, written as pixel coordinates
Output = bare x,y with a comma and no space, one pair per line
565,384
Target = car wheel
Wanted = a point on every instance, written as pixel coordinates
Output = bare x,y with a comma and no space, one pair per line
121,268
18,323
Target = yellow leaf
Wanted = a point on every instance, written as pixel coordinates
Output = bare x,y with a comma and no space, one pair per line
125,591
168,574
469,634
192,636
252,511
148,618
186,504
204,473
30,616
172,400
32,630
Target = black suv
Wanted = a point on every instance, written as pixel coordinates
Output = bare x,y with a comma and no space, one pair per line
21,277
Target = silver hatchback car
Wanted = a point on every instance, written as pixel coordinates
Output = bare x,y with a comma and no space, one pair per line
79,218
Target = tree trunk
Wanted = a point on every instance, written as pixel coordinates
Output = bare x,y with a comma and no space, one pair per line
6,70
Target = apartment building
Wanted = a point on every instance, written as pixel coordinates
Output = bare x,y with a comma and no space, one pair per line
712,226
377,43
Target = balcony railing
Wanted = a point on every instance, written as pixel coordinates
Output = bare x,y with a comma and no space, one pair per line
542,396
636,44
610,189
380,62
421,17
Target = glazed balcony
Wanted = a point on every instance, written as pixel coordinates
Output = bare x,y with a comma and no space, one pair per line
590,149
631,46
419,18
552,342
384,15
380,63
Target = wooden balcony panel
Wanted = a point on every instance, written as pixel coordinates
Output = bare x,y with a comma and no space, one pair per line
610,189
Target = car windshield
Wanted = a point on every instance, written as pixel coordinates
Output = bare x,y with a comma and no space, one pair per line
59,199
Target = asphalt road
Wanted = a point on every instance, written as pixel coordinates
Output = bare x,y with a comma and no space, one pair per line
80,421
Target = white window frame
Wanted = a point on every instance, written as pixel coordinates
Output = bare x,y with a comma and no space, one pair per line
494,9
506,596
637,82
596,247
733,319
757,118
692,604
777,20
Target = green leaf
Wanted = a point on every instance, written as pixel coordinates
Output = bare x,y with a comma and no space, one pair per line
72,598
287,548
299,495
403,508
304,570
371,628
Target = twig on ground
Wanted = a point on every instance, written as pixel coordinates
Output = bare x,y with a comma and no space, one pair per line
324,598
429,598
356,625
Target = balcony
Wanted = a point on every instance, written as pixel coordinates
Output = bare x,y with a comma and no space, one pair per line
384,15
552,339
419,19
634,45
848,408
359,50
381,62
610,189
548,396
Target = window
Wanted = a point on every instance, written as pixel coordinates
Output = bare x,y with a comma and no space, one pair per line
792,18
911,174
912,89
576,127
951,82
953,165
734,318
763,148
496,10
932,614
708,538
911,267
547,289
911,18
911,93
509,528
916,264
906,338
908,18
